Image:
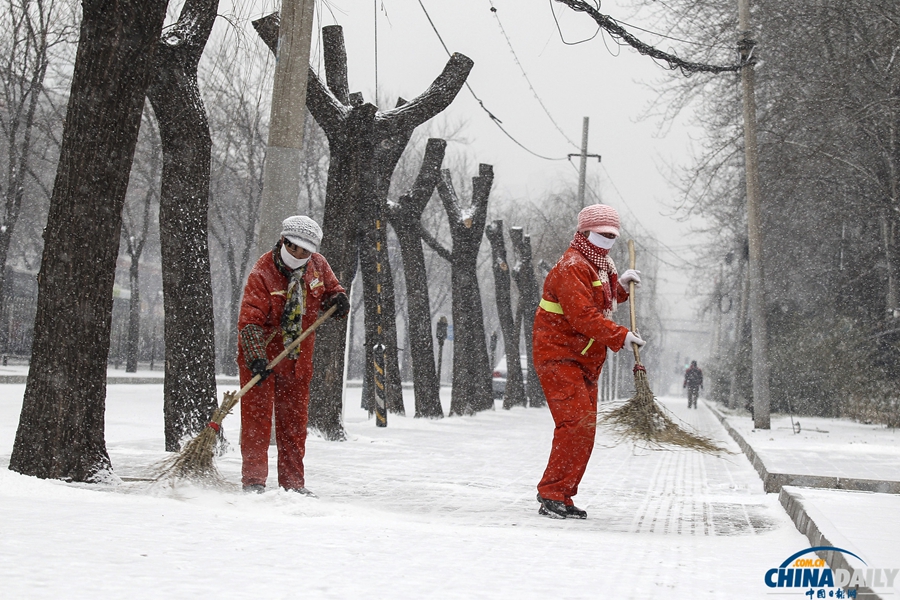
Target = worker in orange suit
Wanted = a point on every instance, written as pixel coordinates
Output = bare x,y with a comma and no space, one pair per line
572,331
283,295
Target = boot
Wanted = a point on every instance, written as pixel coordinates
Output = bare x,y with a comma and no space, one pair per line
552,508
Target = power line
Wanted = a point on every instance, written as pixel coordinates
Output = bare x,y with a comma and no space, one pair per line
559,29
644,247
525,75
615,29
674,39
494,118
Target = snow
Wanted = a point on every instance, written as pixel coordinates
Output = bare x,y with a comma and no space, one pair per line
420,509
825,447
861,522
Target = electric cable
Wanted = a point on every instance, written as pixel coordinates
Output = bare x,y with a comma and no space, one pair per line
493,117
615,29
527,79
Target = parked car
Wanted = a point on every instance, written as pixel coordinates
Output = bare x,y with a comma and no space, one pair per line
498,382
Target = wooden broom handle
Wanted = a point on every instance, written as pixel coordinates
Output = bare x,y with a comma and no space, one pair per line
287,350
635,347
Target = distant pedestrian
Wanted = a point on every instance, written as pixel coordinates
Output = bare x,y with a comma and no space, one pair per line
284,293
693,381
572,330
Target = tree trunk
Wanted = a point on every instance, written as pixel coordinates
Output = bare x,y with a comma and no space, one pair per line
471,364
364,179
515,385
340,247
406,219
529,299
189,387
61,427
134,317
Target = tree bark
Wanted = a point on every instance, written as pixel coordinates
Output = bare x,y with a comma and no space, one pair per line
406,218
365,145
61,427
471,364
189,387
529,299
515,385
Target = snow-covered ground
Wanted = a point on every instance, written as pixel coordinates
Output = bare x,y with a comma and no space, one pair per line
824,447
421,509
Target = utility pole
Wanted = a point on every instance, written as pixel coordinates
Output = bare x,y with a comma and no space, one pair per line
582,174
281,171
759,351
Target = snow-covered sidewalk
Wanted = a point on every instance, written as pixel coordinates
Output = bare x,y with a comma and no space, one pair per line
421,509
837,448
825,455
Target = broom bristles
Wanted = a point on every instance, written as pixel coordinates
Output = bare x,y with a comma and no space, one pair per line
642,420
196,461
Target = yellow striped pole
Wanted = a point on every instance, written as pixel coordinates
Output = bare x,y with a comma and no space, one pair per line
379,373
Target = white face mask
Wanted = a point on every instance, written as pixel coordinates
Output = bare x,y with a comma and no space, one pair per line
601,241
293,263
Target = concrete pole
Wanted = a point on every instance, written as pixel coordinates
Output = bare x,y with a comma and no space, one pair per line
582,173
759,356
281,172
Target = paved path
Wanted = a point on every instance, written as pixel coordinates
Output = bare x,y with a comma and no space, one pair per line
625,489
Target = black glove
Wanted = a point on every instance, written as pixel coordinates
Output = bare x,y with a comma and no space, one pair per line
258,367
341,301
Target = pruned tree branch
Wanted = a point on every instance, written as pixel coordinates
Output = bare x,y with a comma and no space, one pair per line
436,245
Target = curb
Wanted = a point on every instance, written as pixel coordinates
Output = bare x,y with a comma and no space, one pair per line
793,505
773,482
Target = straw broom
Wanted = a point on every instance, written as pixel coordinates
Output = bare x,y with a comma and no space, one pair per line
641,419
195,461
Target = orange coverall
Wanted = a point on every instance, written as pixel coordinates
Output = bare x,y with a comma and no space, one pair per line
287,387
571,335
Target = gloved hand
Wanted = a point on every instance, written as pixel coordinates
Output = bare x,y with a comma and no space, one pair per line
258,367
632,338
630,275
341,301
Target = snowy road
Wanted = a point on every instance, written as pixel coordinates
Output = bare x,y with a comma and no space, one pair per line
421,509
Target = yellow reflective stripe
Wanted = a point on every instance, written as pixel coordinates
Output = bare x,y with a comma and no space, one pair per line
552,307
590,343
597,283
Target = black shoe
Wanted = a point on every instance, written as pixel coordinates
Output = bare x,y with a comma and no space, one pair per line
254,488
573,512
552,508
302,491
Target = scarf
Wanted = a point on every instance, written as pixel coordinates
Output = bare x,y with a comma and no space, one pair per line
294,302
605,266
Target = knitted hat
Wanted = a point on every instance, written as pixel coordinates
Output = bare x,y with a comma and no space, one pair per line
599,218
302,231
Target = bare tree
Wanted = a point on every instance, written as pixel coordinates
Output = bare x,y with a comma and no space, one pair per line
365,145
471,364
189,387
29,31
61,427
136,221
515,384
238,119
529,299
406,219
